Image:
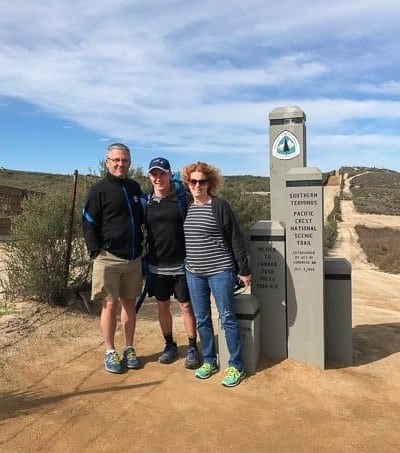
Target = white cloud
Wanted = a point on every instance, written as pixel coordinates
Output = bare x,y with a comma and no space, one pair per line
390,87
177,75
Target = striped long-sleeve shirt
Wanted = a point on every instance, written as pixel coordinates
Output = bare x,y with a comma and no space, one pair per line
206,250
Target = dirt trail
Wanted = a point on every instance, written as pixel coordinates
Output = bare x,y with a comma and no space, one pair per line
374,288
56,397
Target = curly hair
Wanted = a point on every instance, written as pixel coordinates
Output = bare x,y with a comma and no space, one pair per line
212,174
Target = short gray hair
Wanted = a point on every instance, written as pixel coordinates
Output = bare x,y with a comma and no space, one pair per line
120,146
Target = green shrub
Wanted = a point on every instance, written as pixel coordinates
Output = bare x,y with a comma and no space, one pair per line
330,236
249,208
330,227
35,255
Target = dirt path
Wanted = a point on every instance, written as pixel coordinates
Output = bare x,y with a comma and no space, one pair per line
55,397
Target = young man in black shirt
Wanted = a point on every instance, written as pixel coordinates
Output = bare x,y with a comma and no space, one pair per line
164,215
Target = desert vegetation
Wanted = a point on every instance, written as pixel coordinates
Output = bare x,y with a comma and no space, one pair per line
375,191
44,257
382,247
44,253
35,252
331,226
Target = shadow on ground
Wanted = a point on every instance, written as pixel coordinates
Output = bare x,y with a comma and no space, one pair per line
22,402
372,342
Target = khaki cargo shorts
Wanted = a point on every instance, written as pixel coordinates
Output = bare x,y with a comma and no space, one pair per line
115,278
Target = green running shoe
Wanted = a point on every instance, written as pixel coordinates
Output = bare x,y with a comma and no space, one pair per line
233,377
206,370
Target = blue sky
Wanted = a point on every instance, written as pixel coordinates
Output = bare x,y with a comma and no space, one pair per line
195,80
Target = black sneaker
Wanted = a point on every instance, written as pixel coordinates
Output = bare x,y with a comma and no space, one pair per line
129,359
170,353
192,358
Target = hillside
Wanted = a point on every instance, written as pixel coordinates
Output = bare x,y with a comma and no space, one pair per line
375,191
36,181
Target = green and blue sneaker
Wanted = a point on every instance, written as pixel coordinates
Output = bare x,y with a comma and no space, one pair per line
112,362
232,377
206,370
129,358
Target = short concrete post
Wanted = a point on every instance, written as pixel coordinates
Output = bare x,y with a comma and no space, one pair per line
338,317
247,312
268,266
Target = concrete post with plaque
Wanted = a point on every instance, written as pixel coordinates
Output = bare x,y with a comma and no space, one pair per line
305,265
304,299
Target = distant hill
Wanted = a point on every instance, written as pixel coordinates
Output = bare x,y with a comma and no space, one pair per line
374,190
29,180
42,182
248,182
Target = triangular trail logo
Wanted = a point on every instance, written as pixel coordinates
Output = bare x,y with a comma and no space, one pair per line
286,146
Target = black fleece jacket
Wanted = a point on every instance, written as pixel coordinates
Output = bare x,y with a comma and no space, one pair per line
112,218
231,234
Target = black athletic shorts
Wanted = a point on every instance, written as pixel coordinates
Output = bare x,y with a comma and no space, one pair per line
162,287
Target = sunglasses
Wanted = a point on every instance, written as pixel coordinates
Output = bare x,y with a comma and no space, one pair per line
200,182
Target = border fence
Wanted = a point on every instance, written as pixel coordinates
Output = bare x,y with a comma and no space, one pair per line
11,204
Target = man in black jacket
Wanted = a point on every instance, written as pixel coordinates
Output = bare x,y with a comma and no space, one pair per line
112,227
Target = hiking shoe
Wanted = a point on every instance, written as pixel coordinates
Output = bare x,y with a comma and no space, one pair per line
232,377
170,353
206,370
192,358
112,362
129,359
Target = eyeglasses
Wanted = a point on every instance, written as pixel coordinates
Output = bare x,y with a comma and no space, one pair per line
115,160
200,182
